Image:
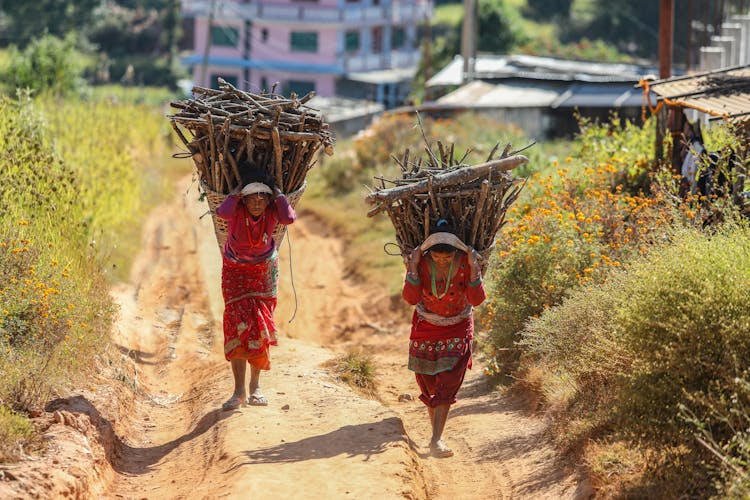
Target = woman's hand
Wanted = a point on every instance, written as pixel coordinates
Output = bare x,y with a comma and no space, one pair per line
414,259
474,268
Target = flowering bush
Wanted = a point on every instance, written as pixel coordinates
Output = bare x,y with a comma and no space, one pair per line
573,227
71,190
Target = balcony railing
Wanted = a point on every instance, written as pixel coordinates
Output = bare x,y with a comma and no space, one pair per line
372,62
396,13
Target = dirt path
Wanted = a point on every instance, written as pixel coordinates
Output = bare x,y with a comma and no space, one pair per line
317,438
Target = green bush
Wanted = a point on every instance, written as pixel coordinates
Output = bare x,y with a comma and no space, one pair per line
47,64
667,339
687,318
16,435
573,225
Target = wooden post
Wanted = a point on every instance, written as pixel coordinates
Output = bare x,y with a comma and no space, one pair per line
689,37
676,124
661,125
467,40
207,47
666,31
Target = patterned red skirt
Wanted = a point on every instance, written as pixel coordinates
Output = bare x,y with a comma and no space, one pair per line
249,302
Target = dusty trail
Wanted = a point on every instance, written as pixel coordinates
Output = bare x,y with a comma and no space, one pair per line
317,438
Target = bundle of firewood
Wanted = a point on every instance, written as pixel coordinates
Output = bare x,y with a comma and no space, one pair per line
233,131
229,132
473,199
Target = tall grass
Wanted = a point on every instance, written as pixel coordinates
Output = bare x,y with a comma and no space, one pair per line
74,180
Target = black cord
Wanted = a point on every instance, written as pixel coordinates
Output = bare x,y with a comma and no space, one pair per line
291,273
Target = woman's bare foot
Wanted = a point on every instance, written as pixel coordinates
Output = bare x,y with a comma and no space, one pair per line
440,450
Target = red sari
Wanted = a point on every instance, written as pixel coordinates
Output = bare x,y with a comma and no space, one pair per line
249,277
249,292
442,331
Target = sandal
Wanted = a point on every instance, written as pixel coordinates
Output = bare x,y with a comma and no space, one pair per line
257,400
233,403
440,450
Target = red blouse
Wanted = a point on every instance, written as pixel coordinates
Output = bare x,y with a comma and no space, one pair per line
461,290
251,240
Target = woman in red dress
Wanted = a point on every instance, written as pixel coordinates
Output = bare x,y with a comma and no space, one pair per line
249,278
444,282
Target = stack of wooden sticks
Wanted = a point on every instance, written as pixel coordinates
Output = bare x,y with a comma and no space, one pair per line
230,133
473,199
233,131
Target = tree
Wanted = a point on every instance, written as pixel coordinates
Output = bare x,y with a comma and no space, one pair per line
47,63
549,9
30,20
632,26
172,29
497,27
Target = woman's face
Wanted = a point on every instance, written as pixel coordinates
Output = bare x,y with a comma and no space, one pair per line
256,203
442,259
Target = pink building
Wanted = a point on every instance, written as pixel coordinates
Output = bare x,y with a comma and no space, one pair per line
352,48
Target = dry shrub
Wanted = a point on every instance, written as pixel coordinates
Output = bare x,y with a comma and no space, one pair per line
356,369
654,352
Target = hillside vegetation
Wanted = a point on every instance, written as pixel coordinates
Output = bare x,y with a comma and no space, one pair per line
75,179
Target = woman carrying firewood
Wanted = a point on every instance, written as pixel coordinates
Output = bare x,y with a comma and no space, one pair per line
444,282
248,281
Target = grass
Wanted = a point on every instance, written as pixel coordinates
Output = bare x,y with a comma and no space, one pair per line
17,436
356,369
154,97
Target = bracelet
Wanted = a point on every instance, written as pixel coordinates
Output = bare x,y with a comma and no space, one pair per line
412,277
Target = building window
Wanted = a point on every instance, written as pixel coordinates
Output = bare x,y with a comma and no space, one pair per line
352,41
397,37
299,87
377,40
304,41
264,35
224,36
228,78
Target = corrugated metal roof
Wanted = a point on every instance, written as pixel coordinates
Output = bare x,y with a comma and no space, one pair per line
489,66
544,94
502,95
591,95
394,75
722,93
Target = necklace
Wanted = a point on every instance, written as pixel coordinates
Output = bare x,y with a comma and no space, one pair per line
447,280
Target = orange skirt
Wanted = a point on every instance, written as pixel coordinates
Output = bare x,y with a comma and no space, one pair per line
260,360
